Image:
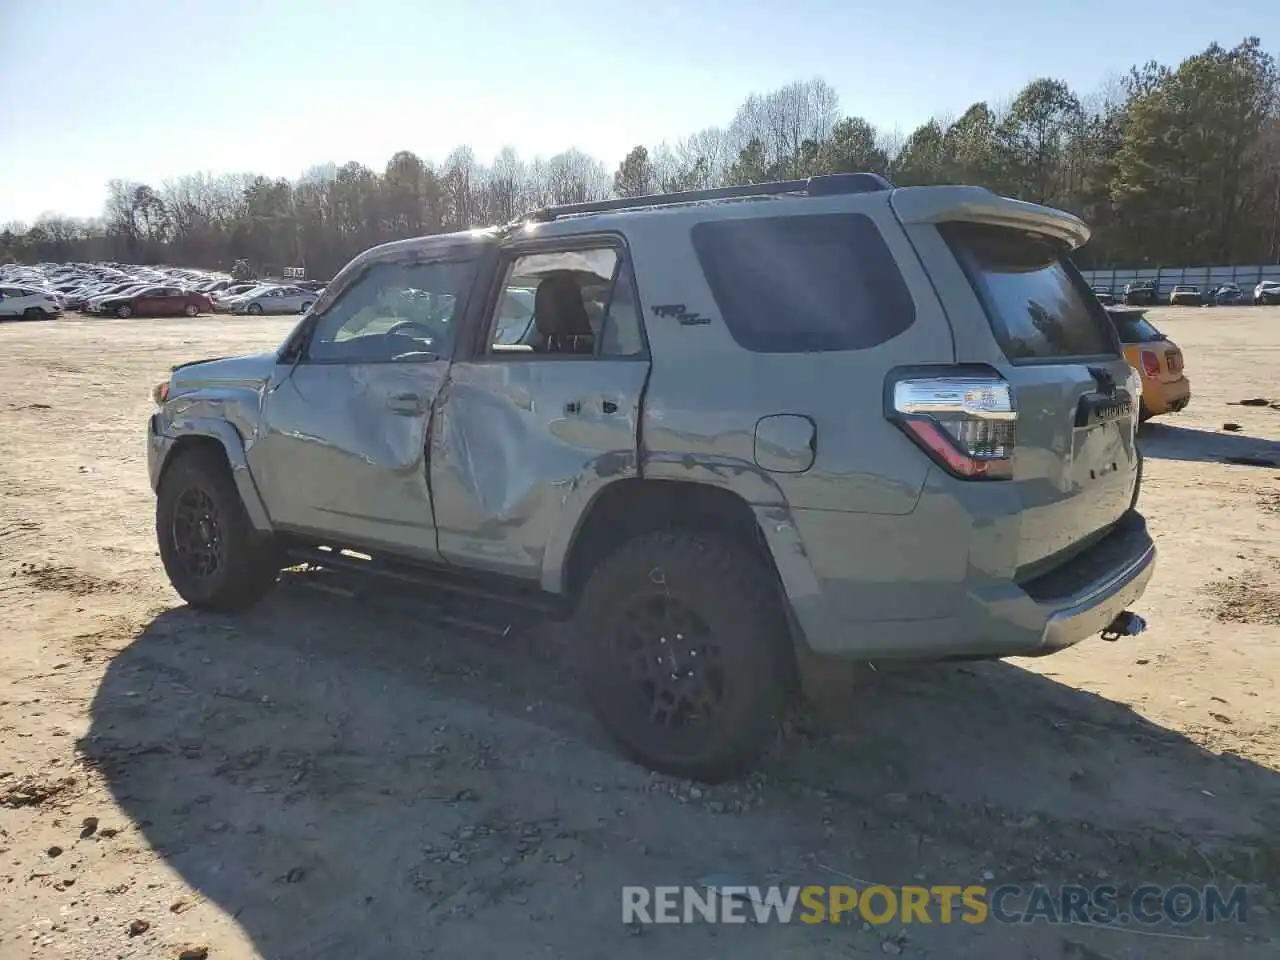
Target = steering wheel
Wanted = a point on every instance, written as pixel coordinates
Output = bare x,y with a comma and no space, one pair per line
403,326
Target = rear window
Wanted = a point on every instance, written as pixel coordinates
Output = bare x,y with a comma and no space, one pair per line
1038,305
1133,327
804,284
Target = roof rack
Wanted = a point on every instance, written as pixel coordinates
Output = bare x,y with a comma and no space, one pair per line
826,185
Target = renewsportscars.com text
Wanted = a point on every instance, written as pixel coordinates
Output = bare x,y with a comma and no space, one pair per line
1147,904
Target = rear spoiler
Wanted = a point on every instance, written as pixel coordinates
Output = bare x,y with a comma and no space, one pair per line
915,205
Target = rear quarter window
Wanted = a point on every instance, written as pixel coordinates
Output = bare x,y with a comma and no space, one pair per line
1038,305
822,282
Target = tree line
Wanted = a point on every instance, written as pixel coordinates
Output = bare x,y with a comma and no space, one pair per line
1169,165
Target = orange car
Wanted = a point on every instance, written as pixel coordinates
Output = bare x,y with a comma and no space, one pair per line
1156,358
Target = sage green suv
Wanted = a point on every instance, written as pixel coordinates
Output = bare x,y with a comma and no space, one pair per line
713,430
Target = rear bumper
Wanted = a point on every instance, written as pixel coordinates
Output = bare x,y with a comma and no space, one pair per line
999,619
1129,560
1166,397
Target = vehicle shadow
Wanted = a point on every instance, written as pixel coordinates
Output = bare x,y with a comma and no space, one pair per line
347,785
1166,442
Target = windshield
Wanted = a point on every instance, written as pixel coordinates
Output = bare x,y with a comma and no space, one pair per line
1134,327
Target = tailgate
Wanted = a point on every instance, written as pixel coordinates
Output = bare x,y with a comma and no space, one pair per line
1075,457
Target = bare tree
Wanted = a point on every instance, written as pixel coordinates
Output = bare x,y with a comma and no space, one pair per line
784,119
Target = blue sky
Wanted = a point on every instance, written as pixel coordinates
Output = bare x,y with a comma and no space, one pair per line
150,89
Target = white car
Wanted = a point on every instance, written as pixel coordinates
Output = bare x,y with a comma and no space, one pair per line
28,302
1268,291
273,300
223,299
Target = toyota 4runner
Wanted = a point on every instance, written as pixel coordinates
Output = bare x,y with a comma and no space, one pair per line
719,430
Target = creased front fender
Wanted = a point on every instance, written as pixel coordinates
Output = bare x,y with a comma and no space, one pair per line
163,440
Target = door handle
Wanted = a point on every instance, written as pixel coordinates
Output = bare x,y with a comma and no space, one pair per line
608,406
406,403
573,407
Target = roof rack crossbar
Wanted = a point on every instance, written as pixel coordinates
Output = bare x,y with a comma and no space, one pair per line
824,185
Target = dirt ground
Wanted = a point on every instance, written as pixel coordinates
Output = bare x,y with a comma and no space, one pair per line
324,779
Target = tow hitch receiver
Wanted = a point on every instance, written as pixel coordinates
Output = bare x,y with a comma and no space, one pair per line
1126,624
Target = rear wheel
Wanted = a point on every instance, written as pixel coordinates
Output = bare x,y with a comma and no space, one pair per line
305,307
191,310
124,311
255,309
214,557
34,313
684,653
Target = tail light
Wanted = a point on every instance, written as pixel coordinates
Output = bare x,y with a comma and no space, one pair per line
1150,363
965,423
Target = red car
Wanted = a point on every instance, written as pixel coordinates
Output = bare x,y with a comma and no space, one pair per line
155,302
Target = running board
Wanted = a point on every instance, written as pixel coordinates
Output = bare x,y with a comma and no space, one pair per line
488,605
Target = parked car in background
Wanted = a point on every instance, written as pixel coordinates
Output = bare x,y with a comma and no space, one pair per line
271,300
1165,388
94,303
1267,292
234,292
1185,295
155,302
82,298
1140,292
1105,297
28,302
1225,295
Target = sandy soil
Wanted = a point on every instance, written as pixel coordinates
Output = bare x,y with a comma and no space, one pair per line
324,779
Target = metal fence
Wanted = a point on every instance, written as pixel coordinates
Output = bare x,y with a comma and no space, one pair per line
1165,278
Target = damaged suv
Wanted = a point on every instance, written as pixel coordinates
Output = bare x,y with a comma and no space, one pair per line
718,431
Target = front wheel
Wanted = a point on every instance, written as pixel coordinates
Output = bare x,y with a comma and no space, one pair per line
34,313
191,310
124,311
684,653
305,308
214,557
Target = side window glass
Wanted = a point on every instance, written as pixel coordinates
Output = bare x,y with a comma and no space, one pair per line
806,283
622,336
394,311
557,304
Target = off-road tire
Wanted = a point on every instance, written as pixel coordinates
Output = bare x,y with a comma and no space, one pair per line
250,562
733,594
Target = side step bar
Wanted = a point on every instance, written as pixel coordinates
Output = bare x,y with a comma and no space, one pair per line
486,605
